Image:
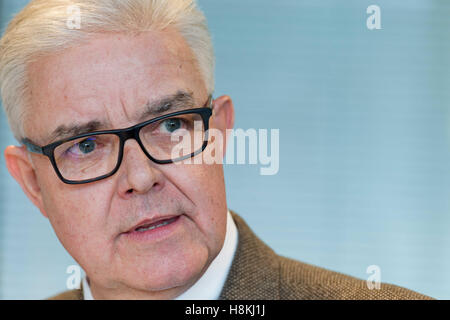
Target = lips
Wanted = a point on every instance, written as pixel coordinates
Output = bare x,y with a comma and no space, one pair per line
154,225
151,224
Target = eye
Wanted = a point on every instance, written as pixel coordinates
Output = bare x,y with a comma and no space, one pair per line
86,146
172,124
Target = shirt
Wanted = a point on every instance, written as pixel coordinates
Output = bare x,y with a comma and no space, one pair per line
210,284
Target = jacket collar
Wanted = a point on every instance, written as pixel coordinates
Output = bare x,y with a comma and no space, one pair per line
254,273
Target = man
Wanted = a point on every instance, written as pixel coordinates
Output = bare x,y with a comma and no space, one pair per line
100,106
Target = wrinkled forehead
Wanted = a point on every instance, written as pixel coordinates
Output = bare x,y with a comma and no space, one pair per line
110,79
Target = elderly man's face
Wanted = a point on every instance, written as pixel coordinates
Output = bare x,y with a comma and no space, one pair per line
110,79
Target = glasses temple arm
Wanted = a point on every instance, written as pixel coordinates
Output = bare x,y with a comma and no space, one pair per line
32,147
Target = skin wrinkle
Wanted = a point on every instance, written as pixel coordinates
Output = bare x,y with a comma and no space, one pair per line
181,100
124,110
89,219
172,103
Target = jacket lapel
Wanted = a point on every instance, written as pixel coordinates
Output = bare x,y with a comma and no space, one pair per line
254,273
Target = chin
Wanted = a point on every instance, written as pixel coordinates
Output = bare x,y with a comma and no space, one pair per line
170,274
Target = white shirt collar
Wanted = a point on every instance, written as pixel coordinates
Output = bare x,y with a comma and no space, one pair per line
210,285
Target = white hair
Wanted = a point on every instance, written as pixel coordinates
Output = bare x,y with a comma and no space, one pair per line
42,28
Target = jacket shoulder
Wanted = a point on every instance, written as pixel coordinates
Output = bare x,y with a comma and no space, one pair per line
260,273
75,294
299,280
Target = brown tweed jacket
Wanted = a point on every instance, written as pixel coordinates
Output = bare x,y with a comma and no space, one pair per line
257,272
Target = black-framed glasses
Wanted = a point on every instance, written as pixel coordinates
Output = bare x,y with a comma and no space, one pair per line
97,155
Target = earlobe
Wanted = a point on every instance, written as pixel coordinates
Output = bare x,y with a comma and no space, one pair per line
21,169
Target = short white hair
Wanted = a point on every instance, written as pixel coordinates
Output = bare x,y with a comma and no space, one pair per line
42,28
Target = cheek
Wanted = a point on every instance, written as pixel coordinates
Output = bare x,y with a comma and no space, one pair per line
201,182
77,215
204,185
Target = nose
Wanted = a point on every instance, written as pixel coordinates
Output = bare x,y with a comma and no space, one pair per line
137,173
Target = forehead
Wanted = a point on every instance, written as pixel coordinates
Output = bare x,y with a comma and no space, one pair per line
109,78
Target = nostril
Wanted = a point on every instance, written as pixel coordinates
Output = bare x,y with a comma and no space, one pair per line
130,191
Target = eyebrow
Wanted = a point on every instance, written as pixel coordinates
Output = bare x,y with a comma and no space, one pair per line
177,101
173,102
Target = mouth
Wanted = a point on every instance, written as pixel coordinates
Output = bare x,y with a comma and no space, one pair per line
154,225
155,229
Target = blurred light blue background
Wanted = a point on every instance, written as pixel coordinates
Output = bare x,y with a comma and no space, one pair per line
364,142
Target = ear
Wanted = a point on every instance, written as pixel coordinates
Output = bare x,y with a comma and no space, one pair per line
223,117
22,170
